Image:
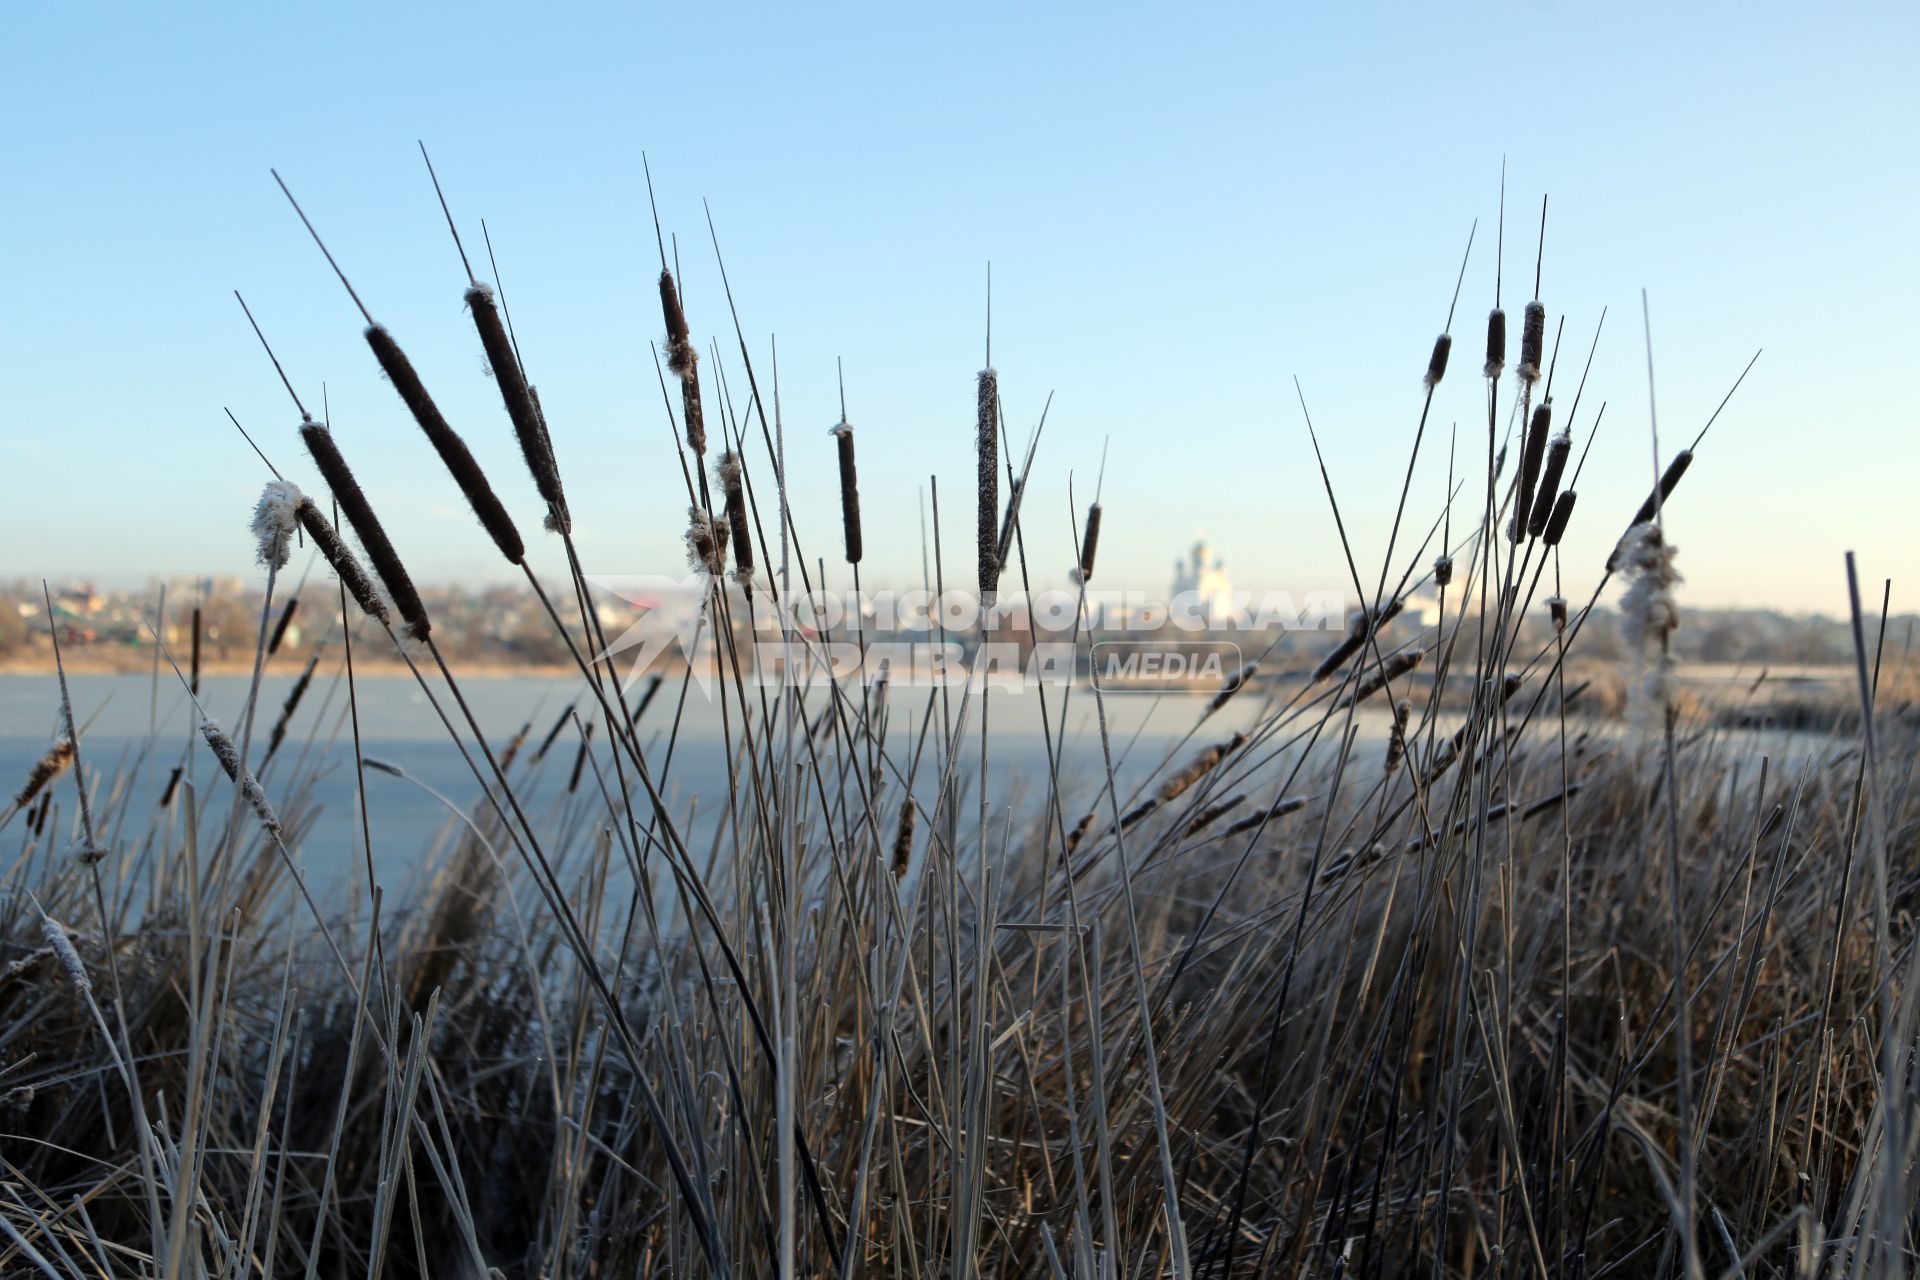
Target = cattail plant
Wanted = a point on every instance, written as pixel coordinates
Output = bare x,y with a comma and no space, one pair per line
1557,611
291,607
341,560
1442,571
1533,340
1359,624
1655,503
1003,545
1496,344
529,424
1437,362
274,521
1392,669
1235,683
1557,522
359,513
1397,736
229,758
1279,809
193,659
903,840
987,446
849,492
61,943
1648,613
446,442
1089,544
56,761
1558,448
1203,763
703,548
736,512
287,708
1213,814
1532,453
685,363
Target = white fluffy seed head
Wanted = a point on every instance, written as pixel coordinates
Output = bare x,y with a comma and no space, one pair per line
1648,613
274,520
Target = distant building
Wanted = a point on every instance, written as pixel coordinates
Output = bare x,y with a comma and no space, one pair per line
1204,576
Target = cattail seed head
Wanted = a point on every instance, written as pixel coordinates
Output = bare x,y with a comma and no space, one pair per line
1669,481
342,561
1533,340
1199,767
359,513
703,552
987,446
1443,571
453,451
229,757
1558,448
903,840
291,607
1235,683
1649,614
1557,610
274,521
1557,522
733,489
685,363
1279,809
528,426
1397,736
1396,666
1437,362
1496,343
1089,542
849,492
49,767
1532,453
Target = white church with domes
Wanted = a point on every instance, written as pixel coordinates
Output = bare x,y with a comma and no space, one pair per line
1204,574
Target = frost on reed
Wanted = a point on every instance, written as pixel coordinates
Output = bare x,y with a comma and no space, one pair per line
446,442
274,520
849,491
1648,618
341,560
229,757
987,447
66,953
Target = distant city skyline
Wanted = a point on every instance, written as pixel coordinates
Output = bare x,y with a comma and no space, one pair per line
1181,219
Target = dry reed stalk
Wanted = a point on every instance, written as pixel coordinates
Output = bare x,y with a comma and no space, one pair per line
446,442
1558,449
849,492
987,449
57,760
341,560
1437,362
229,757
359,512
1533,338
736,512
193,660
1532,454
1003,545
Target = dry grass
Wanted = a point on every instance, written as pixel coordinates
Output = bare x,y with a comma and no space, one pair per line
1533,999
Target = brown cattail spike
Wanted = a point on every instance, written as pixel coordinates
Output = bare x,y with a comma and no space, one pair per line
903,840
736,510
527,424
685,363
1557,522
1089,542
1496,343
1437,362
1669,481
703,549
280,628
341,560
1557,450
987,446
849,492
1396,666
453,451
1532,454
1442,571
1533,338
1557,610
359,513
50,766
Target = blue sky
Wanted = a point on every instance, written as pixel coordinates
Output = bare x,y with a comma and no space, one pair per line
1183,213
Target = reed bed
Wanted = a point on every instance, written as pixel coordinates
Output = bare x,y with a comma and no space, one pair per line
1505,993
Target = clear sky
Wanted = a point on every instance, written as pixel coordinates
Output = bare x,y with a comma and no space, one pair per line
1184,207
